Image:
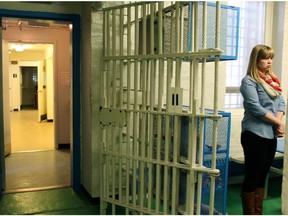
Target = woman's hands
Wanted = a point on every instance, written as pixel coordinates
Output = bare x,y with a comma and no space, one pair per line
277,121
280,129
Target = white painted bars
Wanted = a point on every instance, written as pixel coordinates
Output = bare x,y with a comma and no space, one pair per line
137,173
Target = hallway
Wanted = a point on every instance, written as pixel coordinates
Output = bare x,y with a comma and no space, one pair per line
34,164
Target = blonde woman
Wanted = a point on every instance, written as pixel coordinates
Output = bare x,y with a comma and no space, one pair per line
262,124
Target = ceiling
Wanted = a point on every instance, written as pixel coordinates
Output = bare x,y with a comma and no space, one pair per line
28,46
31,23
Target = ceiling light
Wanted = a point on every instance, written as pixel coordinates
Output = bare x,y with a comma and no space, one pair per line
18,48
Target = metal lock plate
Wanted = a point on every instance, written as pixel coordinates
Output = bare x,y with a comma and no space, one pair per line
112,117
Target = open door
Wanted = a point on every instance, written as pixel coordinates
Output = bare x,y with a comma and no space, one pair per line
42,108
2,157
5,135
75,122
6,97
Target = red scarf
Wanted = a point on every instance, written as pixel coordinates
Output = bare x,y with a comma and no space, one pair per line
271,80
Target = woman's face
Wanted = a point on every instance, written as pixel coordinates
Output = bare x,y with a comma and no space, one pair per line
265,64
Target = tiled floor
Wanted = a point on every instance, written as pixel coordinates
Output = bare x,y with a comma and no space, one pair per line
37,170
62,201
271,206
34,164
27,134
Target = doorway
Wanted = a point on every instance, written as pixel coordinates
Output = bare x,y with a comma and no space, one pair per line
29,87
75,79
32,135
31,106
31,98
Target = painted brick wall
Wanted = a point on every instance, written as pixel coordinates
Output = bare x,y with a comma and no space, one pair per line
285,77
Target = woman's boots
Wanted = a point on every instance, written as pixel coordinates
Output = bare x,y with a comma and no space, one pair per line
252,202
259,197
248,203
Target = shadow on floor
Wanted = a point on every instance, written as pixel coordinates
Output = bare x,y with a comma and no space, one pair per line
65,201
37,170
62,201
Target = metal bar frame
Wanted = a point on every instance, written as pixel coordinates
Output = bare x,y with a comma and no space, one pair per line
137,173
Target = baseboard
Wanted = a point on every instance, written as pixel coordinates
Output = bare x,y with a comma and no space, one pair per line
93,201
64,146
240,178
235,179
43,117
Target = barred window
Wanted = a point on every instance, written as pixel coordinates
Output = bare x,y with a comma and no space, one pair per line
251,33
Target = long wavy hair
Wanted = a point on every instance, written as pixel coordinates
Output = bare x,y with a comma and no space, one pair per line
259,52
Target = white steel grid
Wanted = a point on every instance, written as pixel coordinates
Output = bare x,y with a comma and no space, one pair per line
137,172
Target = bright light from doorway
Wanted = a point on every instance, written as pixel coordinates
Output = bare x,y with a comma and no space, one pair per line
18,48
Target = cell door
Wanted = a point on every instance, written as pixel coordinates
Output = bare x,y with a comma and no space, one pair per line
151,115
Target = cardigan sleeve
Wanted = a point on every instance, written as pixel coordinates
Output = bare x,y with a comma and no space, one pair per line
252,103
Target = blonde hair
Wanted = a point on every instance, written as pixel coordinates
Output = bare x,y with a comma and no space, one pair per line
259,52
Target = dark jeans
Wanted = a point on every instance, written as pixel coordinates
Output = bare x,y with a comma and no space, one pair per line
259,154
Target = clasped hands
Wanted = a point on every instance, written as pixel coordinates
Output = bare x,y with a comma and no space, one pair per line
280,130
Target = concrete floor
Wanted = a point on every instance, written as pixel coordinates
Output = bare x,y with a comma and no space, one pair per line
30,171
62,201
37,183
65,201
37,175
28,134
33,163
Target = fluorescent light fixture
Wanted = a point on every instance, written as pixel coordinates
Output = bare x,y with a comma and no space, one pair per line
18,48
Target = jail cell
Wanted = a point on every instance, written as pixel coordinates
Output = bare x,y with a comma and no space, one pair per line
144,168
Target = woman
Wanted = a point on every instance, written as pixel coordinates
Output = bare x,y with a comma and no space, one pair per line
262,124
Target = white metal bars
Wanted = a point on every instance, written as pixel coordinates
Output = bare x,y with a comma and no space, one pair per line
142,86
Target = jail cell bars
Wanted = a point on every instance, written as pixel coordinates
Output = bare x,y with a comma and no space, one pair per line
142,109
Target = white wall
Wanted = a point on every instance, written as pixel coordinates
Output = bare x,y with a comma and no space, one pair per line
6,99
49,66
15,96
284,195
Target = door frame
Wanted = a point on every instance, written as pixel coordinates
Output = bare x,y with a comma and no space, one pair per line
36,65
75,88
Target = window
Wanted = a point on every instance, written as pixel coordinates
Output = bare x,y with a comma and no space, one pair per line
251,33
